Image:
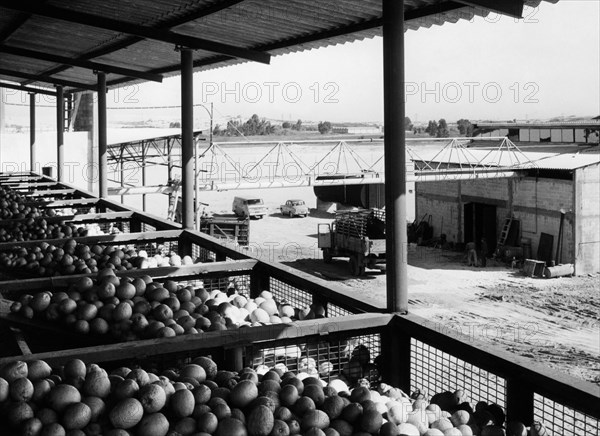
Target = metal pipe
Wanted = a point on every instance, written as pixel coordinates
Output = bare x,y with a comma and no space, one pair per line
144,176
60,139
32,156
187,138
102,141
395,155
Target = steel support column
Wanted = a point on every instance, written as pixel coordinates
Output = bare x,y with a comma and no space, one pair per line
395,155
102,142
32,156
187,138
60,137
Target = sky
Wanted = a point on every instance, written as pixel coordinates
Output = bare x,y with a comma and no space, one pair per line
496,68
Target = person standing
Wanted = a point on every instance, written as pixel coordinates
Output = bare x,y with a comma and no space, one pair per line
484,252
471,254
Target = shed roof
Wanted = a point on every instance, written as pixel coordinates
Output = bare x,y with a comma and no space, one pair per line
63,42
560,157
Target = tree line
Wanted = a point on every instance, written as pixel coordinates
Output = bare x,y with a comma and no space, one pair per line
257,126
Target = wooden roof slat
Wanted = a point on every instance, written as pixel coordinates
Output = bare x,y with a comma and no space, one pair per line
81,63
164,24
351,28
27,89
47,79
255,25
134,29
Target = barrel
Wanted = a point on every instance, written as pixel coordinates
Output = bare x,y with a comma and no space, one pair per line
562,270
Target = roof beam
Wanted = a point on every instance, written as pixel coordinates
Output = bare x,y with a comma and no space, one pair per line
27,89
46,79
13,26
374,23
513,8
135,29
164,25
81,63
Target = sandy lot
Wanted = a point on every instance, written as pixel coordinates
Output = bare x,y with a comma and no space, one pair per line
551,321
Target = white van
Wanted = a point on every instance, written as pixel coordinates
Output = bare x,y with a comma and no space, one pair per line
249,207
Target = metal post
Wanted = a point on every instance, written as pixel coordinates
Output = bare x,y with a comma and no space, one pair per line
32,156
395,155
60,139
144,175
122,175
102,154
187,138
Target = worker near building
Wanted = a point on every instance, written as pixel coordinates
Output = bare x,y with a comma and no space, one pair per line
471,254
484,252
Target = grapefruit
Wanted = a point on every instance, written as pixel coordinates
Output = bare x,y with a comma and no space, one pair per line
14,370
126,414
75,368
260,421
182,403
315,418
231,427
153,398
21,389
207,423
38,369
76,416
53,429
243,394
96,405
61,396
154,424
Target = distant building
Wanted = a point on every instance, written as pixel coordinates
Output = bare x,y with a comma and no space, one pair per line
581,132
557,179
357,130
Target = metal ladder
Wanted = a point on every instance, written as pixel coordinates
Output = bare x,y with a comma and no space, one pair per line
505,231
174,199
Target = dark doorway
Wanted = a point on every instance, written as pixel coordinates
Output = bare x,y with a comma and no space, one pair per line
480,222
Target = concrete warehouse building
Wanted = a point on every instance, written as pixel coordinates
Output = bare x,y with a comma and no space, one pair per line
566,132
556,178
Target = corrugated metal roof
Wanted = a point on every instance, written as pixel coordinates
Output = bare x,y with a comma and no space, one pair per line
272,26
561,157
570,161
591,124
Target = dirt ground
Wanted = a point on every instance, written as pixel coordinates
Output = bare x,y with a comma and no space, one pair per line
555,322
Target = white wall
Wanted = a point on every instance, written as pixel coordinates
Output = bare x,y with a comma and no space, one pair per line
79,170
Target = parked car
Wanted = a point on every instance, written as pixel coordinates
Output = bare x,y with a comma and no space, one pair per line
294,208
249,207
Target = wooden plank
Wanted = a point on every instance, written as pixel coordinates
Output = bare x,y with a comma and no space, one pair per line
18,185
196,270
72,202
51,192
21,341
229,338
101,239
108,216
